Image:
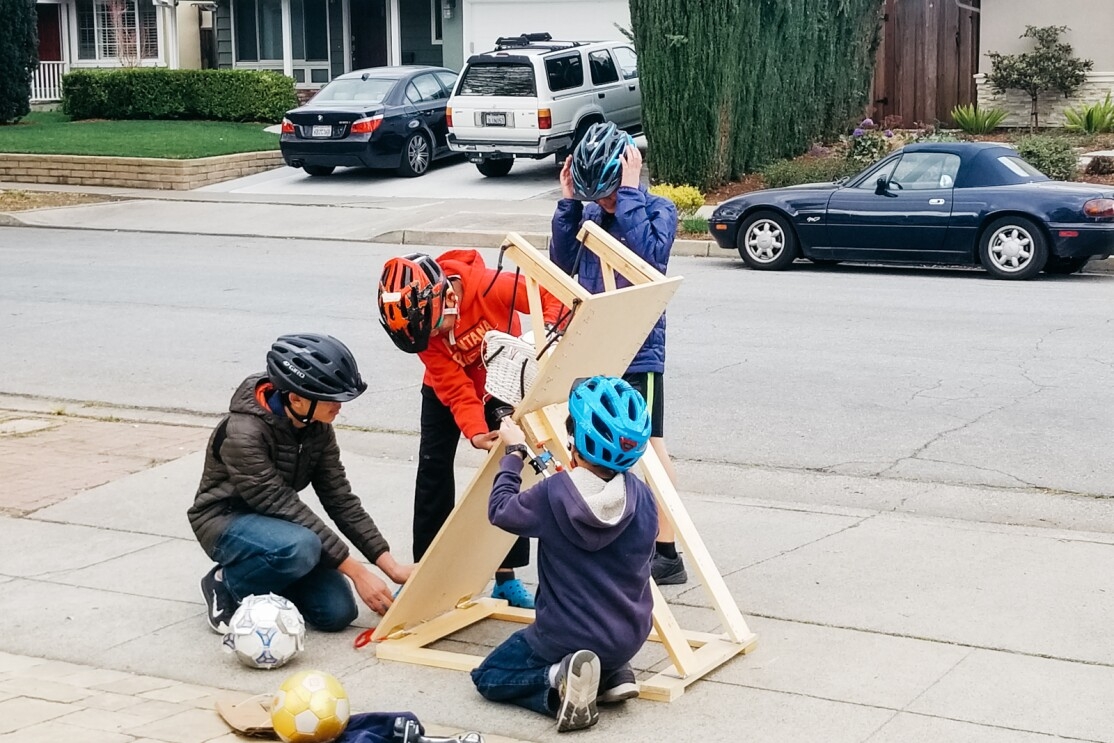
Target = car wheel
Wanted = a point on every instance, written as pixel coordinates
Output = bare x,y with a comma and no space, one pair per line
1013,248
417,154
318,170
1065,266
495,168
767,242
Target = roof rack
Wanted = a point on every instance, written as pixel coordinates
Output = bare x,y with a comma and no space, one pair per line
536,40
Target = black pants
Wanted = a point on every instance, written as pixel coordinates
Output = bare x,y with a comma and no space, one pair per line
435,489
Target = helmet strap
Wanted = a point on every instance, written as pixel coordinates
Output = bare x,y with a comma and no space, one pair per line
306,419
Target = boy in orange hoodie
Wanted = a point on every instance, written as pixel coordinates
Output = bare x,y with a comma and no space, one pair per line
440,309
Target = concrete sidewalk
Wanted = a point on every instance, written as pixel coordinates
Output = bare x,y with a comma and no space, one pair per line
886,609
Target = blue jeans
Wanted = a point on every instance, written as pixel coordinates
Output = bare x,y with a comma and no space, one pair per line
260,554
514,673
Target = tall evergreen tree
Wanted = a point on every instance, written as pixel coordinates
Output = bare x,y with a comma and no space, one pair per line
19,56
728,85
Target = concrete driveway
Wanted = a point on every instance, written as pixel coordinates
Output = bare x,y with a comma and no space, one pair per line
452,178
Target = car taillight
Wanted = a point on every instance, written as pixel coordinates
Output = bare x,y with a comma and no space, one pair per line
287,127
545,118
448,116
366,126
1099,208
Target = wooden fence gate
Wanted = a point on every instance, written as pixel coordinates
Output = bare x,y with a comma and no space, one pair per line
926,60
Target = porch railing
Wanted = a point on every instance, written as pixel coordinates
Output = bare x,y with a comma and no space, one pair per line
46,83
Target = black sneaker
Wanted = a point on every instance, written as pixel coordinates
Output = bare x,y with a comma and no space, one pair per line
668,571
578,682
618,686
219,602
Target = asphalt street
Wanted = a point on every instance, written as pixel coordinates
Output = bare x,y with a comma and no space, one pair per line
926,375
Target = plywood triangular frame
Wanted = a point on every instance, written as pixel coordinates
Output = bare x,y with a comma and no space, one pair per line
444,595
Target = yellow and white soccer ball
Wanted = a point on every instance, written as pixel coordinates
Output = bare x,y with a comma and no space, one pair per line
310,707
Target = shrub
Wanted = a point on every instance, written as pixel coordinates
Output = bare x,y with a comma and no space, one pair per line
869,144
19,56
975,120
1100,165
158,93
807,170
1053,156
694,226
687,199
1098,118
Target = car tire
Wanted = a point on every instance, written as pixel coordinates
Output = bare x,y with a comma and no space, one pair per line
496,168
1065,266
417,154
1013,248
767,242
319,171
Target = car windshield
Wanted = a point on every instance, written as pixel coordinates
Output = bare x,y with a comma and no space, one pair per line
498,79
371,90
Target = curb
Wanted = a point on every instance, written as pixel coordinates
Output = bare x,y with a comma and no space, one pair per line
491,239
7,220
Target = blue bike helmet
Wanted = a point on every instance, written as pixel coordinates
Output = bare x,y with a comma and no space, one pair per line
596,167
612,423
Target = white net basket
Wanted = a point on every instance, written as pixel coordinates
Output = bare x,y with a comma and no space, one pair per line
511,366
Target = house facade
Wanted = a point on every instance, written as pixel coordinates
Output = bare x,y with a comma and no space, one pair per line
1089,23
313,41
75,34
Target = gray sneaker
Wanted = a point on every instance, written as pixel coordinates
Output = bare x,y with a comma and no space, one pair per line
668,572
618,686
220,605
578,682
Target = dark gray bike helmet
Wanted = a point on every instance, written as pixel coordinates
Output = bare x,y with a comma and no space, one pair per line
316,367
596,167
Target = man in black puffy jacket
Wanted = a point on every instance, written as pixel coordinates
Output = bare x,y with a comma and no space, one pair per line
276,439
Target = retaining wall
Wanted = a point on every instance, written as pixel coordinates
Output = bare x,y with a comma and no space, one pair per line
134,172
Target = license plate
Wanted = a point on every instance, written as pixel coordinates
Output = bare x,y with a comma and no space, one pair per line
324,130
495,119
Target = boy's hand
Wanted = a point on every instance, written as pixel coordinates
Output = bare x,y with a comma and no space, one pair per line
395,570
370,588
510,433
485,440
632,167
566,179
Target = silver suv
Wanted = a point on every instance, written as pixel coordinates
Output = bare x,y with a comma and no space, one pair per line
534,97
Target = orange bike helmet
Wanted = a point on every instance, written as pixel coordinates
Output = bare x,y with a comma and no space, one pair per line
411,300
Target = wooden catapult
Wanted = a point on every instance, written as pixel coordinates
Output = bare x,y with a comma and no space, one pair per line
445,593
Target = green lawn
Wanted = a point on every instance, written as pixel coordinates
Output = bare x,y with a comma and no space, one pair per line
52,133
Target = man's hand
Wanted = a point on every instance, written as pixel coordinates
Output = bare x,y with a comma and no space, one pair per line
371,590
566,179
396,571
510,433
485,440
632,167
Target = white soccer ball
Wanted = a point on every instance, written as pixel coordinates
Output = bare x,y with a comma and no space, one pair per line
265,632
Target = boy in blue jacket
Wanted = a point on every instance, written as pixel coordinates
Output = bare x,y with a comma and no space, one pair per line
595,527
605,170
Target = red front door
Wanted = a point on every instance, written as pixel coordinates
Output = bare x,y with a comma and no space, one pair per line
50,33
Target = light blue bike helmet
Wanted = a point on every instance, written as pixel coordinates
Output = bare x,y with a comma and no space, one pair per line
612,423
596,167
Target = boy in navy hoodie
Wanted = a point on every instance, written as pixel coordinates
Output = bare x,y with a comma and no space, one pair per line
595,527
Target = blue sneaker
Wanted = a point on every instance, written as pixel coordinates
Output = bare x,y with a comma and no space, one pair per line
515,593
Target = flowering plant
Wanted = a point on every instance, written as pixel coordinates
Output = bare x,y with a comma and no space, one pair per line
868,143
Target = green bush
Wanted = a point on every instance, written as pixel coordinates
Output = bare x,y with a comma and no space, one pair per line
687,199
975,120
1100,165
1097,118
807,170
19,56
158,93
1053,156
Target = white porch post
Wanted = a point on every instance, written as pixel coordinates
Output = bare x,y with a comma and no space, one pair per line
287,41
396,32
172,32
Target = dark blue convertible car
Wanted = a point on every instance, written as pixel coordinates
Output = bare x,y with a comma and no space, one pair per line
964,203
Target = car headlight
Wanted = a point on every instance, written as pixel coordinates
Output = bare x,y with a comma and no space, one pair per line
727,213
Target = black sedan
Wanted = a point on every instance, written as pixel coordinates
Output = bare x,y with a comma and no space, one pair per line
383,117
960,203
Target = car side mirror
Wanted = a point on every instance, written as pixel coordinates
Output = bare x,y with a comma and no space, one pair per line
882,186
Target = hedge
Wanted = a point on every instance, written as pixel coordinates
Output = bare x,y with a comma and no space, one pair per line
159,93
